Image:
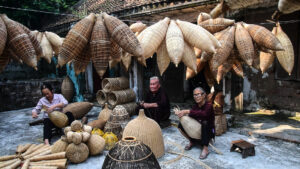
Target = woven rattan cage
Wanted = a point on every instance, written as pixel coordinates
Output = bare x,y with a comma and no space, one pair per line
120,97
113,84
78,109
67,88
101,97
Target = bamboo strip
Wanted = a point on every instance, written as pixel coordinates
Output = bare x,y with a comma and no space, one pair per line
26,164
7,163
37,148
37,152
60,164
42,167
45,153
50,157
8,157
215,149
14,165
23,148
29,150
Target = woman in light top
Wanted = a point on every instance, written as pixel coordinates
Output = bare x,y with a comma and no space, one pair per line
47,104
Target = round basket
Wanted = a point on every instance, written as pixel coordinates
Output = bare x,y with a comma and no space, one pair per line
130,153
101,97
147,131
77,153
99,123
59,119
76,125
119,115
120,97
113,84
59,146
96,144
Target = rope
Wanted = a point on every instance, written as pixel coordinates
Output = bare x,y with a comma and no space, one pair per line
178,157
130,161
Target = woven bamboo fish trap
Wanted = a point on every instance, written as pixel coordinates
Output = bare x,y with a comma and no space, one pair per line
115,54
120,97
244,44
132,154
266,60
67,88
101,97
197,36
113,84
162,57
39,36
105,113
216,25
76,40
82,60
119,115
137,27
175,43
206,56
115,128
96,144
76,125
208,76
189,57
263,37
227,43
19,41
256,61
152,37
130,108
59,119
78,109
238,4
126,60
147,131
100,46
55,41
59,146
77,153
197,52
34,33
122,35
190,73
191,126
47,49
237,68
99,123
13,56
288,6
4,59
203,17
286,57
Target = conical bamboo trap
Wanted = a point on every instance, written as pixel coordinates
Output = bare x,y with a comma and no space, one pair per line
113,84
67,88
189,57
76,40
288,6
59,119
81,61
100,46
130,153
47,49
122,35
55,41
162,57
137,27
120,97
203,17
4,59
116,53
147,131
216,25
78,109
3,36
175,43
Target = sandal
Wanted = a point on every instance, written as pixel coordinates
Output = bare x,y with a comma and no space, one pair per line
188,147
203,156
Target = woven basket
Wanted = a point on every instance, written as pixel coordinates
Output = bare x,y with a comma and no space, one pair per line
205,56
76,138
81,61
113,84
189,57
286,57
114,127
13,55
244,44
137,27
55,41
78,109
147,131
67,88
85,136
190,73
101,97
175,43
218,10
100,46
77,153
39,36
152,37
59,146
197,36
67,129
263,37
220,124
237,68
87,128
19,41
227,43
288,6
130,153
162,57
76,125
4,59
191,126
122,35
266,60
208,76
96,144
36,45
116,53
105,113
130,108
120,97
256,61
99,123
203,17
110,140
126,60
59,119
47,49
197,52
119,115
76,40
216,25
238,4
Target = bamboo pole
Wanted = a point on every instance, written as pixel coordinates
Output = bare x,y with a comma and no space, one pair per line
8,157
45,153
14,165
42,167
29,150
59,164
39,151
7,163
26,164
50,157
23,148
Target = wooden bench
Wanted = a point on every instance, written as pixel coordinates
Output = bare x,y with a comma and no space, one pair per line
246,148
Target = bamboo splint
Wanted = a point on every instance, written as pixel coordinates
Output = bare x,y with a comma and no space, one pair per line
50,157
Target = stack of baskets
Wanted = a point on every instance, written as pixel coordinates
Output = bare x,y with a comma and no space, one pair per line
220,118
115,91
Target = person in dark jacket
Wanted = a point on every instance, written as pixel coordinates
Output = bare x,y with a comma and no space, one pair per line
203,112
156,104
